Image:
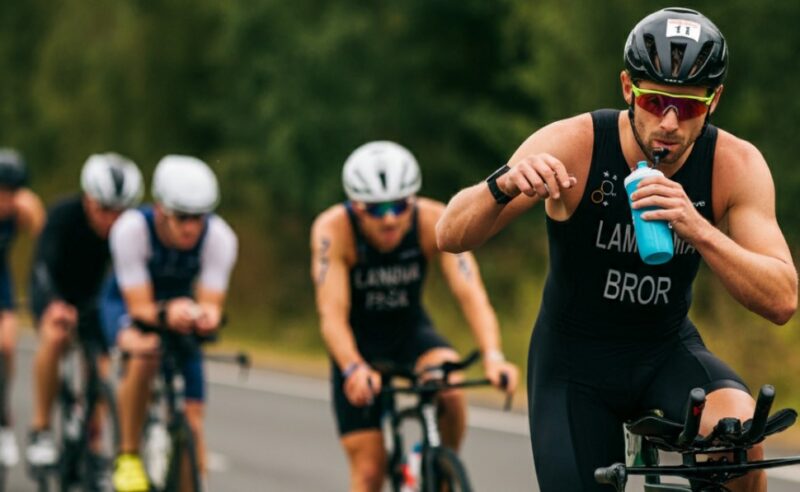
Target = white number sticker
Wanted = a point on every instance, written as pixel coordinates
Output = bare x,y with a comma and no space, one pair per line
683,28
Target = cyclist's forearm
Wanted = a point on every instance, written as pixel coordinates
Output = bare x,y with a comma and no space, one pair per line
764,284
341,344
468,221
483,324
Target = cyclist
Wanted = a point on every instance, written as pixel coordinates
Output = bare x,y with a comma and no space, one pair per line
369,259
20,208
172,263
613,338
70,263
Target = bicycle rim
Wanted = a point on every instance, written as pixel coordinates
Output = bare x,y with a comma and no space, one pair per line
444,471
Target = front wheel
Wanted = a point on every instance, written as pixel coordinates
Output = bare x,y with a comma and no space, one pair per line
443,471
184,466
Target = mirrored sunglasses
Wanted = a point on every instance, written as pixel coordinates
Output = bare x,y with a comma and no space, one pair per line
381,209
659,102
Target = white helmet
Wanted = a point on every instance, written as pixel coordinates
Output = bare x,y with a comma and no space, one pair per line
185,184
381,171
113,180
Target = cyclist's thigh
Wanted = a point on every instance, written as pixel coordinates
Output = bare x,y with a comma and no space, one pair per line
6,289
194,377
689,365
572,431
113,315
90,330
350,418
424,344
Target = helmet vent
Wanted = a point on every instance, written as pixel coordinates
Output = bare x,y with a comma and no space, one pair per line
118,177
382,177
705,51
652,51
678,50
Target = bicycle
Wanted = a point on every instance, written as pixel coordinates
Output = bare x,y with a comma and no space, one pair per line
439,466
88,435
651,433
4,410
168,440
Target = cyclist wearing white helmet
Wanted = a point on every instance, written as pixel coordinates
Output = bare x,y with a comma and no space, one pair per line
172,263
369,257
20,208
71,260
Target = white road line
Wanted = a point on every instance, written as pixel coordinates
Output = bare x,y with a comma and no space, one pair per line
787,473
217,462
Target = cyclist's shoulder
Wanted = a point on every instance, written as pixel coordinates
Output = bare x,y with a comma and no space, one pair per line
334,218
428,213
130,221
569,139
735,153
221,232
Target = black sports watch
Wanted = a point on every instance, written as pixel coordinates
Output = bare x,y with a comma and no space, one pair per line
500,197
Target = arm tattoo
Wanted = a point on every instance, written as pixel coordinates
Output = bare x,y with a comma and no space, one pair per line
324,260
463,267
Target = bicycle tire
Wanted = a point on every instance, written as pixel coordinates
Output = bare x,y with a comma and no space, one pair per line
70,448
183,446
109,435
442,466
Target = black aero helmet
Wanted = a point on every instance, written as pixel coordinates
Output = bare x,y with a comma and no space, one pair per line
13,173
677,46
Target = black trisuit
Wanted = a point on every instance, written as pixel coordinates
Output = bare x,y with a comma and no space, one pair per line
386,315
613,339
70,264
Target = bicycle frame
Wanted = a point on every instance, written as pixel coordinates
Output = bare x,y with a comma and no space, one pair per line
79,404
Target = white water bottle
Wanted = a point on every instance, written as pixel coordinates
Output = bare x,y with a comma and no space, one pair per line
72,426
157,447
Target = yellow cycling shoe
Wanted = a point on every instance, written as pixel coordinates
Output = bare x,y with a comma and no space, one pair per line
129,474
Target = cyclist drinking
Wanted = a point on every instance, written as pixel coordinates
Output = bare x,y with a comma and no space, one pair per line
71,260
369,259
613,338
172,263
20,208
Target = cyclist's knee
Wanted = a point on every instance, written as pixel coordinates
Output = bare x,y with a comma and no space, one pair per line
132,340
451,400
368,475
53,334
194,415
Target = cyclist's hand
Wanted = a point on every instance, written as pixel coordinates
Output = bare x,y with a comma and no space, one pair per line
675,205
181,314
208,319
494,371
63,314
540,174
362,385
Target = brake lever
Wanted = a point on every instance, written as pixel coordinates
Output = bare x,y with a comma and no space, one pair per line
509,396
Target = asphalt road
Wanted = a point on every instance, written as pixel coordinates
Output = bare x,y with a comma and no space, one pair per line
275,432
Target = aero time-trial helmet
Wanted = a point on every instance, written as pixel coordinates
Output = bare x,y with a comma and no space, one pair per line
112,180
13,172
677,46
185,184
381,171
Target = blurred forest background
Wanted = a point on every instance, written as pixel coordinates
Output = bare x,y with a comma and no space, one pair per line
275,94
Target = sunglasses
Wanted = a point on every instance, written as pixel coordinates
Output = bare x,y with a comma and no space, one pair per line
182,217
659,102
381,209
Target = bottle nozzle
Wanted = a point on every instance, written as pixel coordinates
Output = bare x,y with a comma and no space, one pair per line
659,154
